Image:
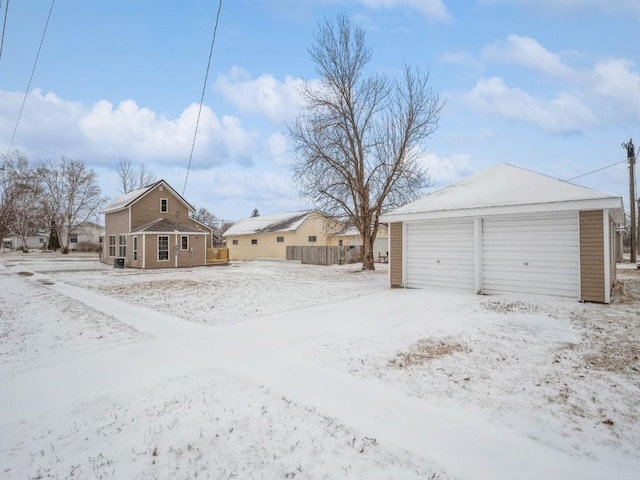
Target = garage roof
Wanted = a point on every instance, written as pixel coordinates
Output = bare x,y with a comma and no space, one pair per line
505,188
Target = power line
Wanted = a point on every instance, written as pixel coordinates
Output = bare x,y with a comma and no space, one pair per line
204,88
4,24
594,171
33,70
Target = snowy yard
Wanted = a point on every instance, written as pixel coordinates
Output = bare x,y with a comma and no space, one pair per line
280,370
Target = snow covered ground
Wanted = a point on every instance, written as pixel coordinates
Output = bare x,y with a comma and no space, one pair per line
280,370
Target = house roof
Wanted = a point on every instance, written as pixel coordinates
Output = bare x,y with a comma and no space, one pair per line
166,225
123,201
347,232
284,222
505,188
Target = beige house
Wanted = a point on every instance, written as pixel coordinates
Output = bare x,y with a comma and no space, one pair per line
267,236
508,230
38,240
86,236
151,227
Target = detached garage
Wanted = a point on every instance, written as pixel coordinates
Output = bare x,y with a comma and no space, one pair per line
508,230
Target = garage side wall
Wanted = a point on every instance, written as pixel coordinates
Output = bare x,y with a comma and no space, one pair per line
592,266
395,254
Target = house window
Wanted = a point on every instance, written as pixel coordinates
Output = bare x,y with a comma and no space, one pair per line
312,238
112,245
254,241
163,248
100,240
42,240
73,238
122,244
280,239
339,243
184,242
164,205
234,242
135,249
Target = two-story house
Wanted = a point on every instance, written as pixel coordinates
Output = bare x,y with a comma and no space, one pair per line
151,228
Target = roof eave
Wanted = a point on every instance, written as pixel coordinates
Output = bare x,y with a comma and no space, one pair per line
614,204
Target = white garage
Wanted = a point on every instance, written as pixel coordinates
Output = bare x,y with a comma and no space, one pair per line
508,230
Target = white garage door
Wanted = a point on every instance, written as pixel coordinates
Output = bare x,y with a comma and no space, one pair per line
536,254
440,254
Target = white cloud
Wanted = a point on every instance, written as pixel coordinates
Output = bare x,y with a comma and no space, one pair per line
615,87
277,149
265,95
232,192
529,53
51,126
563,114
445,170
430,8
233,169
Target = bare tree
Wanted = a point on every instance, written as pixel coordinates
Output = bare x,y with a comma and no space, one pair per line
71,195
224,226
255,212
205,216
358,142
20,211
132,178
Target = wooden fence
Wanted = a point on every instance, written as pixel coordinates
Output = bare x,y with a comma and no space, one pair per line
217,256
325,255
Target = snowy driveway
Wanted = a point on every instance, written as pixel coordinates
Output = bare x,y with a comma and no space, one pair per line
308,358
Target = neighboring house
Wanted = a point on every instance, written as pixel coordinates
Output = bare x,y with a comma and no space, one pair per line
85,236
508,230
267,236
350,236
151,228
15,242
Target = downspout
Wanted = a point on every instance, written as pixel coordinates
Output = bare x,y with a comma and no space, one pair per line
176,251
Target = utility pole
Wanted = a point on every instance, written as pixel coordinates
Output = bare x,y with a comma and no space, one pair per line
631,156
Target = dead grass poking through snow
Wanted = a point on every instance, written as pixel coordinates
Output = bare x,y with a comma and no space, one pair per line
424,351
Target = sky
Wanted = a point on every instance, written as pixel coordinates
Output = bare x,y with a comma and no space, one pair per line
549,85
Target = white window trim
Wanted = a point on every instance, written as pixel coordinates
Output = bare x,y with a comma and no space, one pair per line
167,205
182,237
112,245
158,243
122,246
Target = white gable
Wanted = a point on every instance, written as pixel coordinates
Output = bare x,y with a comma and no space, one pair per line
510,187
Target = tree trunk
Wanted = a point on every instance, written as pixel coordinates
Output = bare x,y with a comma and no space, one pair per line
367,250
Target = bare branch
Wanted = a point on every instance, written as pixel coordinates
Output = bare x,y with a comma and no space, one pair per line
359,140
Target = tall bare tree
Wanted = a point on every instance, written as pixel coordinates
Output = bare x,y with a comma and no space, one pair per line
20,211
132,178
359,140
71,195
205,216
